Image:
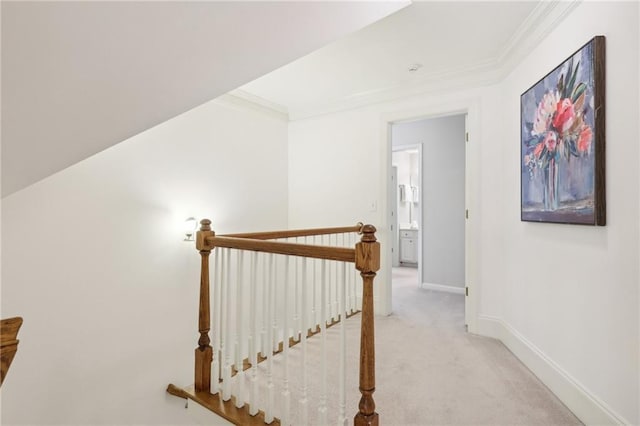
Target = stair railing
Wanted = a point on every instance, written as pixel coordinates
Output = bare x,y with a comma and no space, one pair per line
281,315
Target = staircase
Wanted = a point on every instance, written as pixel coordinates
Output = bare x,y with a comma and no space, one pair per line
288,286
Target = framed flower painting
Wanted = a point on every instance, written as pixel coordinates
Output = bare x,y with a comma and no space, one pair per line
562,141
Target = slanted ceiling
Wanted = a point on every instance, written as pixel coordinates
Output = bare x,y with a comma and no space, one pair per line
78,77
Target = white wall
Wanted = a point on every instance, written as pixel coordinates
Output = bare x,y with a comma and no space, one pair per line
340,164
442,194
321,155
94,261
572,291
563,298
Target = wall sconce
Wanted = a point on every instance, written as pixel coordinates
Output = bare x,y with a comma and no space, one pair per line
189,228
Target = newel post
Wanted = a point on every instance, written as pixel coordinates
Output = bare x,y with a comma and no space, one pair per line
204,351
367,262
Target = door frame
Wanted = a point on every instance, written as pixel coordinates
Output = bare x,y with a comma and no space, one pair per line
470,107
393,211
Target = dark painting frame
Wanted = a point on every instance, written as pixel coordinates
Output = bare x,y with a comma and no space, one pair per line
562,141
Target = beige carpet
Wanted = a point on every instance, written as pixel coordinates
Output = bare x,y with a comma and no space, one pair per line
429,371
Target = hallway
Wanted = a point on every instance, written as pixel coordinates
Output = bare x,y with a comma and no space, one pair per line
435,308
430,371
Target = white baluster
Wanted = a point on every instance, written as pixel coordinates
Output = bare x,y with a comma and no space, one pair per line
268,412
349,275
347,281
253,337
323,284
351,278
296,308
286,394
225,345
314,313
301,283
326,285
322,408
304,401
330,283
265,309
215,326
354,276
240,398
342,404
336,288
274,312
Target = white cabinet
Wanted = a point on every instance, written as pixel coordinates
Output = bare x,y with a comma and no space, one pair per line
409,246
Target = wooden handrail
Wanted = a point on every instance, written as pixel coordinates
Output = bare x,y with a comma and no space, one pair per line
272,235
8,343
341,254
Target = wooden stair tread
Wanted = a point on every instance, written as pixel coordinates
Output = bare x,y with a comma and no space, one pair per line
225,409
246,364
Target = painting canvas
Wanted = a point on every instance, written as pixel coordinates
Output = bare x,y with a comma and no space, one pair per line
562,141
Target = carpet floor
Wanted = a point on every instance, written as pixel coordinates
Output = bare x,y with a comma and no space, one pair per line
429,370
439,374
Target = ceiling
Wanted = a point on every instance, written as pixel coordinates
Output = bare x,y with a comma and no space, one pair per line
450,40
78,77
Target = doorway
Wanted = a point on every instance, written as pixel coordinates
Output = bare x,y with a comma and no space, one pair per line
406,207
430,208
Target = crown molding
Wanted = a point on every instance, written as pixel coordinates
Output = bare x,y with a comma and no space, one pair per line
248,100
541,21
468,78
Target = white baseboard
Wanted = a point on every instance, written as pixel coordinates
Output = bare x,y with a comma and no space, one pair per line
590,409
442,287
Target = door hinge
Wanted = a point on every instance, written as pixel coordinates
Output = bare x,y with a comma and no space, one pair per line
466,291
466,214
466,136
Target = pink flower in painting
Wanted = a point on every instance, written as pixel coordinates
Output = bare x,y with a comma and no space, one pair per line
544,113
550,141
584,140
538,150
565,114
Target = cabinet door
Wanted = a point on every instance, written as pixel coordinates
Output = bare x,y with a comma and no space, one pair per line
408,250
